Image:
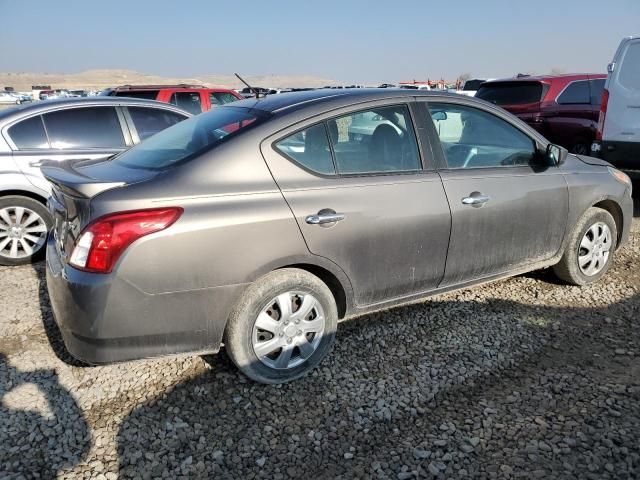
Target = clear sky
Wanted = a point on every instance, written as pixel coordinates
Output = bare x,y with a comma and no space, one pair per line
349,41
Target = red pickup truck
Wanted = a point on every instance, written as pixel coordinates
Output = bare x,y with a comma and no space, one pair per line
192,98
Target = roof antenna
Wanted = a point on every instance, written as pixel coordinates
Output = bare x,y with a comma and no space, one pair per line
255,91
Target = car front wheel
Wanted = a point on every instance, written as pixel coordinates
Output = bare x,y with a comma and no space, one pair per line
590,250
282,327
24,223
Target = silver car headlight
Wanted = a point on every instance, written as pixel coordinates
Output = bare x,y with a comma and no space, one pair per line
620,176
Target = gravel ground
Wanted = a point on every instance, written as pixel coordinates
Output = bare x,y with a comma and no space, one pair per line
523,378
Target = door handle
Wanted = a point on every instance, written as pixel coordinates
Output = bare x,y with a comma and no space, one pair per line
476,199
322,218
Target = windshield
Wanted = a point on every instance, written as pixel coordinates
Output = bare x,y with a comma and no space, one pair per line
511,93
186,139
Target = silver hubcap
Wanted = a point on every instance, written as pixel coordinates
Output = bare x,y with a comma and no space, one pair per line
288,330
22,232
595,249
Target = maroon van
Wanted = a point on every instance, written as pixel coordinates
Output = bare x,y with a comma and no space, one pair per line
563,108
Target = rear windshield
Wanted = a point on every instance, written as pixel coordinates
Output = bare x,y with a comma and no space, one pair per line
145,94
189,138
470,85
511,93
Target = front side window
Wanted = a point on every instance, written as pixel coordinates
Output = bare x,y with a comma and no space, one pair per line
189,138
84,128
473,138
576,93
310,148
220,98
374,141
189,101
149,121
29,134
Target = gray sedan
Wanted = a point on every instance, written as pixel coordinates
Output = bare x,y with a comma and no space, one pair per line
263,223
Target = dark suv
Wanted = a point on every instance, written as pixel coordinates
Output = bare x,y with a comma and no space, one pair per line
192,98
563,108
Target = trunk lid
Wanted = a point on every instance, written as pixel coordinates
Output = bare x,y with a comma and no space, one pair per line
74,184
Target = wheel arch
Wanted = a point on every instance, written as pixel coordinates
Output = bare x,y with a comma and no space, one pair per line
25,193
614,209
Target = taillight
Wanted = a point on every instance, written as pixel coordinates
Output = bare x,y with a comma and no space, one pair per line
603,114
103,240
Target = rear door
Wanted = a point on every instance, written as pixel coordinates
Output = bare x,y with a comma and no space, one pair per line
95,132
621,136
508,211
356,185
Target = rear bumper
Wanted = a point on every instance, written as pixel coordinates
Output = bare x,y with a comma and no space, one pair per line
105,319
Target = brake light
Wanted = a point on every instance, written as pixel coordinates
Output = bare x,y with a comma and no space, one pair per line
603,113
103,240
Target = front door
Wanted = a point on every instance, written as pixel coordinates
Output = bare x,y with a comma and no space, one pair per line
356,186
508,211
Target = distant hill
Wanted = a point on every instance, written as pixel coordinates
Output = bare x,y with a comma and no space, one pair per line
100,79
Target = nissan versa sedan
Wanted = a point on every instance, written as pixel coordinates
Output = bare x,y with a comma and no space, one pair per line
58,130
261,224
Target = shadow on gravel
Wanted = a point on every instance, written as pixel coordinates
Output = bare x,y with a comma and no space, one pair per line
386,407
41,437
50,327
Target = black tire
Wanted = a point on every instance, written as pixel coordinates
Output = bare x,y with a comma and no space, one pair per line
568,269
11,201
581,147
239,334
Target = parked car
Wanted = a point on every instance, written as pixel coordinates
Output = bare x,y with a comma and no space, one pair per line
414,86
247,92
9,98
563,108
471,86
255,226
192,98
618,135
58,130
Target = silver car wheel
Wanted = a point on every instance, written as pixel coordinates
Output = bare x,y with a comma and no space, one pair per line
22,232
595,248
288,330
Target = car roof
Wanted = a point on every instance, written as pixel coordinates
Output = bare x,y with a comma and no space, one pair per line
339,97
568,77
26,109
137,88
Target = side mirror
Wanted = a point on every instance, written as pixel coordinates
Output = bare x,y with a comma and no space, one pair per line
555,154
439,116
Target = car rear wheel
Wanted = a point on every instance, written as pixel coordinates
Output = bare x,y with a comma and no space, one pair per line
590,250
24,223
282,327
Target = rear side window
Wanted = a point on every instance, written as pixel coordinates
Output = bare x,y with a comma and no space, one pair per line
189,101
310,148
220,98
189,138
375,141
80,128
145,94
149,121
29,134
597,87
511,93
629,75
575,93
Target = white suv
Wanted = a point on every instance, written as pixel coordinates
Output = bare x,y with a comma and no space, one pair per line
618,135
